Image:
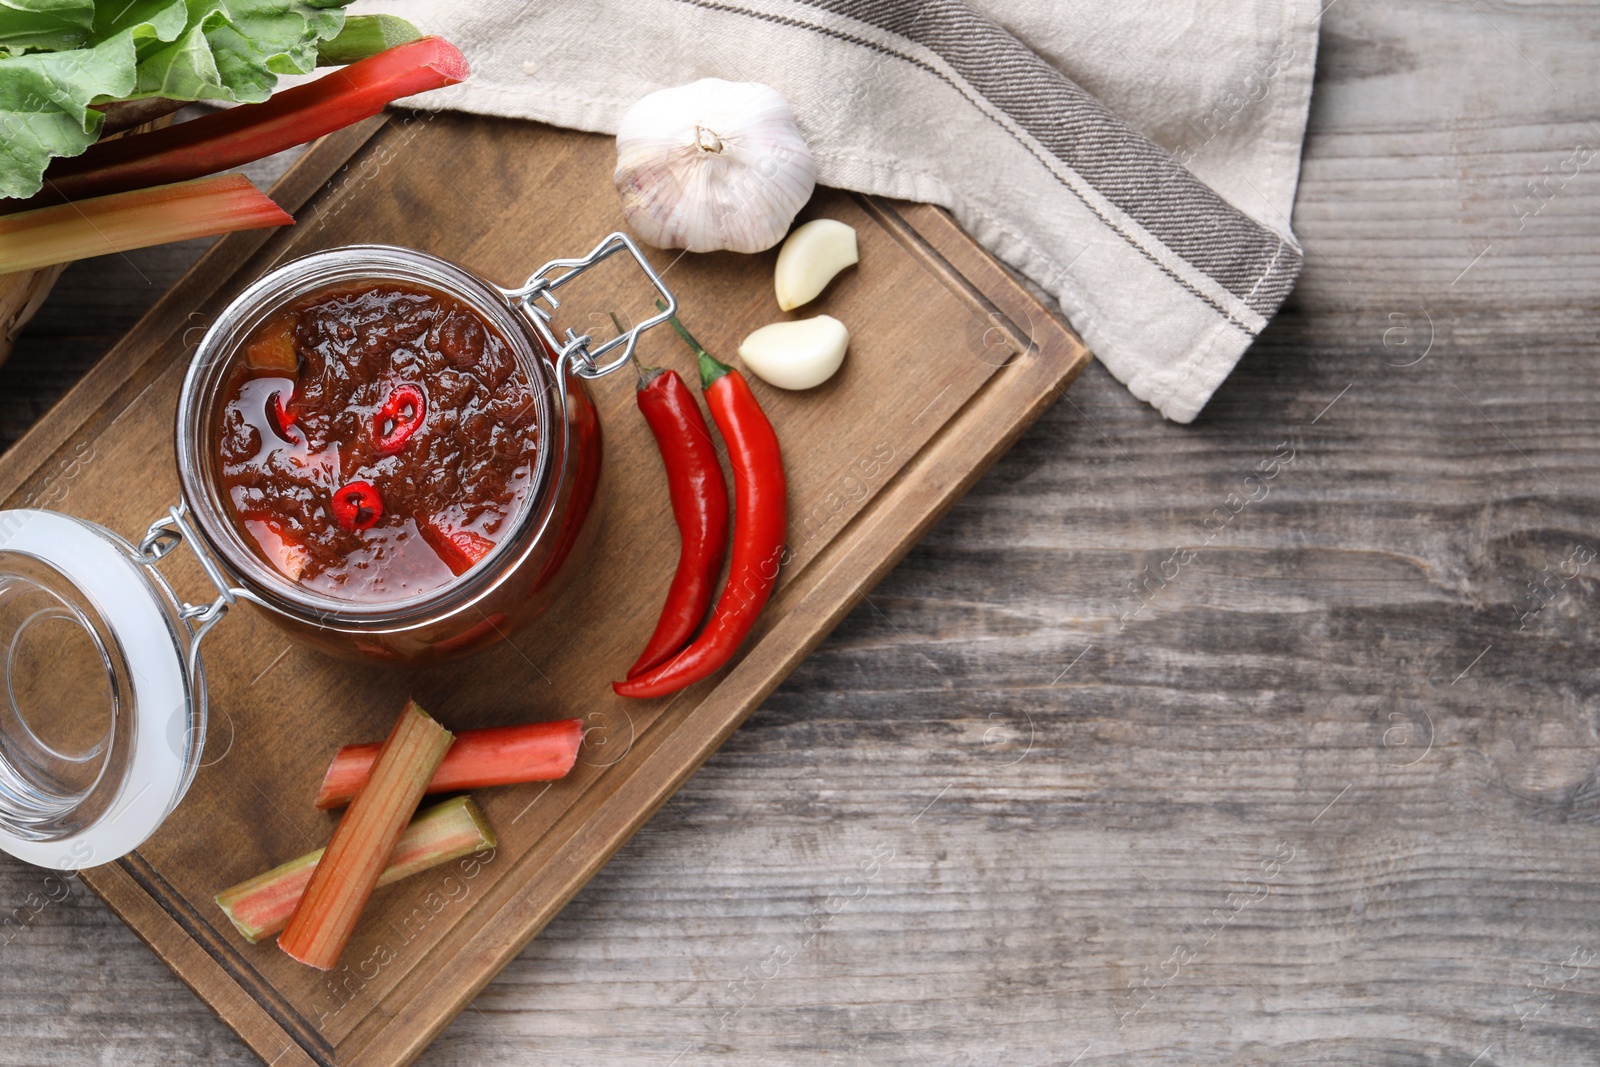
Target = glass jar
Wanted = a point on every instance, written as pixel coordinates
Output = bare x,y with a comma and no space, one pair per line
103,718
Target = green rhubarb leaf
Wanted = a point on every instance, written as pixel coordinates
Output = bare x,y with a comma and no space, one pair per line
44,106
45,25
148,20
183,67
261,39
59,56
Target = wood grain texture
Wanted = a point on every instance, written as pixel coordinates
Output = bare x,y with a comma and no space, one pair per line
1329,797
952,358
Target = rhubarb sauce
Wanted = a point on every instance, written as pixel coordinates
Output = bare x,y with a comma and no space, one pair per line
378,439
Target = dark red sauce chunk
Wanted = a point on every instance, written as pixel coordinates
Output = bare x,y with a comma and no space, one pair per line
378,440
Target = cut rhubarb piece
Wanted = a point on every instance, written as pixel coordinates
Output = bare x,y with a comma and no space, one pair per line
239,135
364,840
272,348
500,755
124,221
261,906
283,550
458,549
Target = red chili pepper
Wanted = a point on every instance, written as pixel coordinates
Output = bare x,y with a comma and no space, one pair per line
700,503
760,524
357,506
400,417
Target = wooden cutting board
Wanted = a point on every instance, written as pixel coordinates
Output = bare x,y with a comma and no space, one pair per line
950,359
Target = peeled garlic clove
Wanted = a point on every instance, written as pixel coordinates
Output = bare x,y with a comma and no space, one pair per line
796,355
712,165
810,258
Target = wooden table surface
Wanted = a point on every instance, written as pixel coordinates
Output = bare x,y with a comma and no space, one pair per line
1132,760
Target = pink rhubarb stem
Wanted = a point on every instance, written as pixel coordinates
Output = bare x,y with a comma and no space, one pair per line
261,906
364,840
239,135
122,221
501,755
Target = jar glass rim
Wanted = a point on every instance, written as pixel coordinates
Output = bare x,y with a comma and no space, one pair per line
209,370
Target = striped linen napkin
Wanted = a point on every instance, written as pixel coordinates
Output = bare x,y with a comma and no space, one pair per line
1137,160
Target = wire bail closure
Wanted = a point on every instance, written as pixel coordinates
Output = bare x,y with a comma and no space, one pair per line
162,537
573,352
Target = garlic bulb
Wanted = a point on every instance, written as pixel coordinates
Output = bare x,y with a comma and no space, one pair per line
712,165
810,258
799,354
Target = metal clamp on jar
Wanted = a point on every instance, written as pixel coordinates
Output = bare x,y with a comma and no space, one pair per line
104,715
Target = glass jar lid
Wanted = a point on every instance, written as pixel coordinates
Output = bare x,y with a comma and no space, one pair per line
102,695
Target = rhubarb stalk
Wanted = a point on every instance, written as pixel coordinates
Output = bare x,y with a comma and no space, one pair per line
364,840
261,906
239,135
122,221
500,755
363,36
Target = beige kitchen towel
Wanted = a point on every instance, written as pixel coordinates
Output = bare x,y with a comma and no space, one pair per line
1137,159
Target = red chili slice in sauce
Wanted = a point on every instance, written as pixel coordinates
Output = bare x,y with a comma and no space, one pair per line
357,506
400,417
282,417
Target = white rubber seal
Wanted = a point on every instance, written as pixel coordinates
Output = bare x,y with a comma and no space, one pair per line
125,599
